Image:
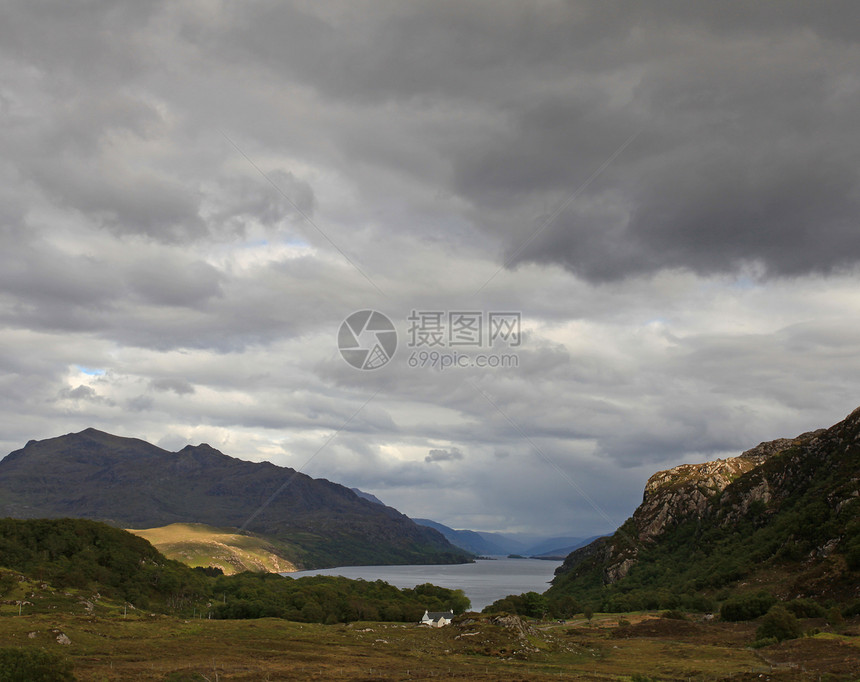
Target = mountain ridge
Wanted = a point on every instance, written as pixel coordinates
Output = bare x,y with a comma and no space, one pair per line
131,483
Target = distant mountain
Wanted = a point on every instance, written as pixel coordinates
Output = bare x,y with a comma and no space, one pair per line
556,546
471,541
507,542
783,517
499,544
132,484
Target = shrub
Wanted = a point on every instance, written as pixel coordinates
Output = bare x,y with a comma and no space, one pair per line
698,603
851,610
674,614
747,606
778,624
33,665
805,608
767,641
834,616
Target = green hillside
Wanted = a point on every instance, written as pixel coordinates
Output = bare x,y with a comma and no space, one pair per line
783,518
80,566
91,557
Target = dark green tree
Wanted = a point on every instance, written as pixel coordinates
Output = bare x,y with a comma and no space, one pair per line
778,624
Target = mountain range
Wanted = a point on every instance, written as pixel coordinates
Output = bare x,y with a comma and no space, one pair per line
484,543
524,544
783,517
130,483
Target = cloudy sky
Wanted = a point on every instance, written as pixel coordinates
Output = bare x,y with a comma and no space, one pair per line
195,195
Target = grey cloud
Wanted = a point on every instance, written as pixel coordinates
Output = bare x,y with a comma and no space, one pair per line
444,455
173,281
744,153
733,164
38,274
240,200
79,393
49,288
89,42
141,403
178,386
85,394
125,200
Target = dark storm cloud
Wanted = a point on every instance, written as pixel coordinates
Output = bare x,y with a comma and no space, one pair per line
746,152
765,190
746,140
746,149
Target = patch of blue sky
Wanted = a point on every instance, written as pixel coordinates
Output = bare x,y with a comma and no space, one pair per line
90,371
287,241
255,243
297,241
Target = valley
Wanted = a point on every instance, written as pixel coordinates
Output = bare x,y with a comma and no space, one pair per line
734,569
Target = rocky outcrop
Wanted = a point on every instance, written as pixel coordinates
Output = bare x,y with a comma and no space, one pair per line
684,491
720,491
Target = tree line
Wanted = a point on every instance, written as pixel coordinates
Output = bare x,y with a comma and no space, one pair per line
88,555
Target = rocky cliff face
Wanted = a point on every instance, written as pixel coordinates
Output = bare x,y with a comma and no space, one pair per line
721,491
689,489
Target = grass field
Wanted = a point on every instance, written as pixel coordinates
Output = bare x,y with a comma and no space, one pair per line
105,645
196,544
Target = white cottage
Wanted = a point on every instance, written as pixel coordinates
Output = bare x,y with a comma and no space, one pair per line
436,619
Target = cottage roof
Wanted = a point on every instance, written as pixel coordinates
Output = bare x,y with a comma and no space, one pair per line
436,615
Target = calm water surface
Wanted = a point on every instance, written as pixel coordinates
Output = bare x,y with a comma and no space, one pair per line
483,582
